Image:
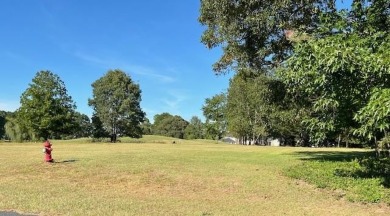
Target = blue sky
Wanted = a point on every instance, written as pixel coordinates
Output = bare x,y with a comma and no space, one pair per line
156,42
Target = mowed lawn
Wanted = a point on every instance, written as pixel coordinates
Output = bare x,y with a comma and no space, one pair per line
160,178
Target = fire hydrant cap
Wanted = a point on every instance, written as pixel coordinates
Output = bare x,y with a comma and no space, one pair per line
47,144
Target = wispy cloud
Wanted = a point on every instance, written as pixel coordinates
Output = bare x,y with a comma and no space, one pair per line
16,57
143,71
136,69
10,106
174,101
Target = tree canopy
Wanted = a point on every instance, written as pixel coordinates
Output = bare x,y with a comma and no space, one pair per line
252,34
195,129
166,124
214,109
333,64
46,111
116,101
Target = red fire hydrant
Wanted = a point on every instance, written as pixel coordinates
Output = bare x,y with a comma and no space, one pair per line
47,150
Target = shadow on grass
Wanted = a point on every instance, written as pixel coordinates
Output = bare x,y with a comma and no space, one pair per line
355,164
333,156
66,161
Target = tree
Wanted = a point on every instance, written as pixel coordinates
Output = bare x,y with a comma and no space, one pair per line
257,108
3,116
13,130
195,129
83,126
253,33
336,75
374,118
98,130
214,110
158,119
166,124
147,127
239,112
46,108
116,101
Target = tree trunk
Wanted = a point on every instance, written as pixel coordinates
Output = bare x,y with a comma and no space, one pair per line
338,141
387,144
377,152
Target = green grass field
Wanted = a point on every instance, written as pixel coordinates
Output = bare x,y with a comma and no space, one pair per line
155,177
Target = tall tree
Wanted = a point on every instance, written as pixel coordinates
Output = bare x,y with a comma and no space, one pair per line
214,110
256,109
239,111
116,101
337,74
253,33
46,108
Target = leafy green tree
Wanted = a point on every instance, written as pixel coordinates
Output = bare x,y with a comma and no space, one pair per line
116,101
147,127
256,109
239,112
3,116
253,33
83,126
158,118
336,74
46,108
168,125
98,130
374,118
13,130
195,129
214,110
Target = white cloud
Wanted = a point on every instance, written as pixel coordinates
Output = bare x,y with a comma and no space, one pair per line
136,69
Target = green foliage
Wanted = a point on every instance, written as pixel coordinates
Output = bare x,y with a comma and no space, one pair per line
116,101
252,33
83,126
336,75
257,108
375,116
214,110
46,109
376,168
98,130
13,130
3,121
166,124
147,127
195,129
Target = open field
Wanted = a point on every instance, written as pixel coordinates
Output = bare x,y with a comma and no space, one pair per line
156,177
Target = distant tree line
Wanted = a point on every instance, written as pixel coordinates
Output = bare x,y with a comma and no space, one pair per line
48,112
305,71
